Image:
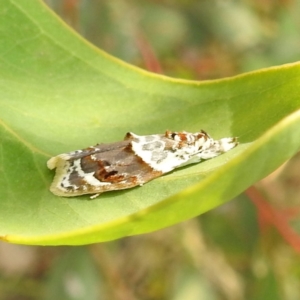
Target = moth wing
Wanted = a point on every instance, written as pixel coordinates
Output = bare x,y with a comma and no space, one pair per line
99,169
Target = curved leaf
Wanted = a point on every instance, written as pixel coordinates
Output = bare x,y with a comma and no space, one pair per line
59,93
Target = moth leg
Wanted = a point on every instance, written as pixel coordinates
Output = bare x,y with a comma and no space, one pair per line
94,196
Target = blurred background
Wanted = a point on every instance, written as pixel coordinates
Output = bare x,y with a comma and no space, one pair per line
246,249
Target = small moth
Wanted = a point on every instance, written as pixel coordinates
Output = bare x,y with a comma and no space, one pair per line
131,162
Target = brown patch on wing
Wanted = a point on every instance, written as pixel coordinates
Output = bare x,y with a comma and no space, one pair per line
119,166
108,176
125,170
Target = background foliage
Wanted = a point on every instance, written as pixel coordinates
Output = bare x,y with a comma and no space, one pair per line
223,254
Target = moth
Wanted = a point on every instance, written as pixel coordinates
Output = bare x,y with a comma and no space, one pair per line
131,162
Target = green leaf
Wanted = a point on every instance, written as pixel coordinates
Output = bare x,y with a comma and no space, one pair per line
59,93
